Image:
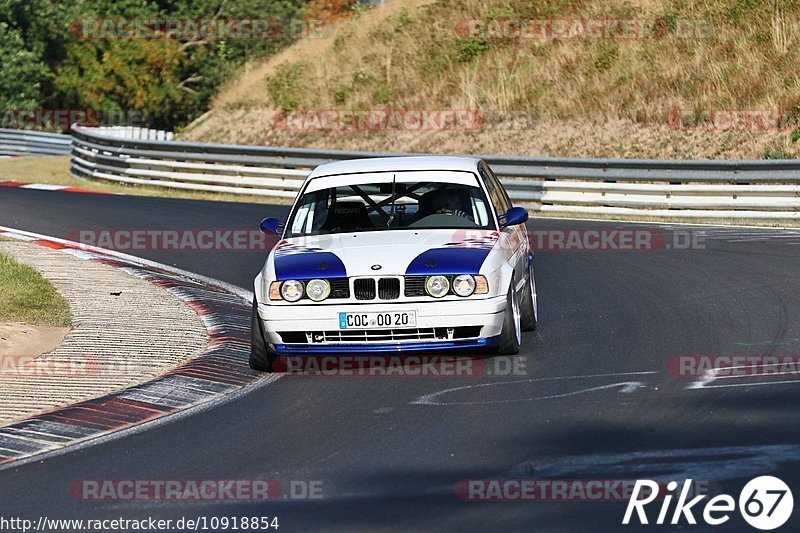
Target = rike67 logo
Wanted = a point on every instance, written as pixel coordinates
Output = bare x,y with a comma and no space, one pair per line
765,503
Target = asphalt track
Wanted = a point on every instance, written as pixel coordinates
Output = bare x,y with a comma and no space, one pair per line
596,402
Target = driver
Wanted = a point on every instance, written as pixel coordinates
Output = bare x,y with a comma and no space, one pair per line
446,203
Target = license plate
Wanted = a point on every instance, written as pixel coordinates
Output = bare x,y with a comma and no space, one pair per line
404,319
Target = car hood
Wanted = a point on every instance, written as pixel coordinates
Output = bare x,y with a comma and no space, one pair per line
396,252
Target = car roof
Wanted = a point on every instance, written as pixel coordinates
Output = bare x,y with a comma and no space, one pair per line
398,164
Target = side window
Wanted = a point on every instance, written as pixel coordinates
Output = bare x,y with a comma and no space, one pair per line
304,217
497,194
480,210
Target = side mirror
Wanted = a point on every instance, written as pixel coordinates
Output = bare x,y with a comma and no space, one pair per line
514,216
271,226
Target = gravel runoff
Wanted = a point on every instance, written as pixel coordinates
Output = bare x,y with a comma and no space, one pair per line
125,331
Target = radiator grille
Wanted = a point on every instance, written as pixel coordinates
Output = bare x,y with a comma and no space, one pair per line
364,288
389,288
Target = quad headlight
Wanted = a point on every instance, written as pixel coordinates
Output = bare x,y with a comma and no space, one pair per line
292,290
464,285
437,286
318,289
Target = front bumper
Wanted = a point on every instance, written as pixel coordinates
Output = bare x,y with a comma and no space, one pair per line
485,314
383,347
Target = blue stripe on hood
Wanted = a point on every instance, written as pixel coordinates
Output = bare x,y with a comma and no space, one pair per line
308,265
453,260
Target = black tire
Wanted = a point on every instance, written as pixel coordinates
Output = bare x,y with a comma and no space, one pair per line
260,356
528,312
509,341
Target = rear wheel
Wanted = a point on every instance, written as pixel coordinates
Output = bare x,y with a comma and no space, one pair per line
511,334
260,356
529,308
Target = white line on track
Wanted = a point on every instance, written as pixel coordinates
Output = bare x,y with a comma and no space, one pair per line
43,187
758,384
713,375
624,387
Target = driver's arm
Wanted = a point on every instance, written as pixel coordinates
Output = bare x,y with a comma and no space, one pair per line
462,214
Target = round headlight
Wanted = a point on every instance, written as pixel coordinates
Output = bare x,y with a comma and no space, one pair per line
318,289
292,290
437,286
464,285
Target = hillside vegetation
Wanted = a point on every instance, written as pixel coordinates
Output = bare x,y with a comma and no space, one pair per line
670,90
146,62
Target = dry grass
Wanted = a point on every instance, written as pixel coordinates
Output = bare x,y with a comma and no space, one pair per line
595,97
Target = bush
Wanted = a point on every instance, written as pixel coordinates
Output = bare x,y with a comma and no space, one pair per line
466,49
776,153
285,86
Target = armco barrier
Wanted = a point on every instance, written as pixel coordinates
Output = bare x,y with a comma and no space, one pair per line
24,142
722,189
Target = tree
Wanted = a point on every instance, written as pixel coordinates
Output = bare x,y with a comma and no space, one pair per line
22,74
138,79
167,81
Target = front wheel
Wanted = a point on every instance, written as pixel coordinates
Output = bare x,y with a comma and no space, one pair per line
260,356
530,310
511,334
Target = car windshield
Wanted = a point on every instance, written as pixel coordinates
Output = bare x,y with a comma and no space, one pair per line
390,203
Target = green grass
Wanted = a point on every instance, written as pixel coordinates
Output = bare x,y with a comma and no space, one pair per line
26,296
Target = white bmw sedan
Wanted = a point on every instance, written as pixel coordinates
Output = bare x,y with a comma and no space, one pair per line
402,254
